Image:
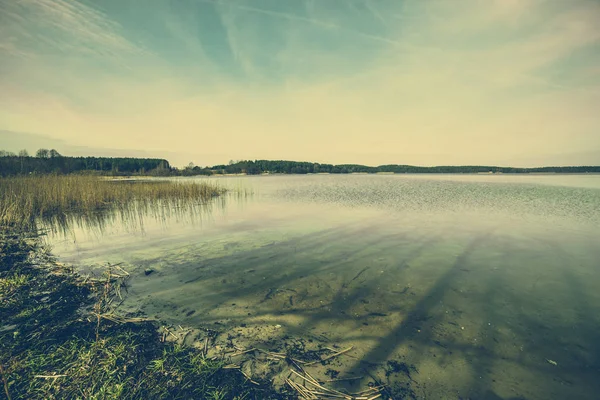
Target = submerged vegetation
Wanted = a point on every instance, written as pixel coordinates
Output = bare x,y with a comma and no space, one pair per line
25,200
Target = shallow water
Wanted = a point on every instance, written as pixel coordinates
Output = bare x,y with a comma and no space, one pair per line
488,285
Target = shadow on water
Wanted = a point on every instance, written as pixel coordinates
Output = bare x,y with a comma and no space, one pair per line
465,316
510,342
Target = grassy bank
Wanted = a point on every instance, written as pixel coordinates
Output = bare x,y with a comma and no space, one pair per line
59,335
59,339
23,200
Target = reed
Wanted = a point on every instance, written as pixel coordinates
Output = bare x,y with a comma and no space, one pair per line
27,199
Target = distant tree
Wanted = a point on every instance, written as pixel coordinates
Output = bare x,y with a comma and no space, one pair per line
4,153
54,154
23,153
42,153
188,169
162,169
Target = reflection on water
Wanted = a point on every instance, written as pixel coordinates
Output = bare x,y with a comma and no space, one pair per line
488,285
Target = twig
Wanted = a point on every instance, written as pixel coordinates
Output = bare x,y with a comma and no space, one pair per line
317,391
344,379
48,376
5,382
331,356
169,332
121,320
185,336
250,379
239,353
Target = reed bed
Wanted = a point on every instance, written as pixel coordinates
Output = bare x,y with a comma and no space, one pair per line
25,200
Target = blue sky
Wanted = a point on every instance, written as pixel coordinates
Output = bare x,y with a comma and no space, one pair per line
510,82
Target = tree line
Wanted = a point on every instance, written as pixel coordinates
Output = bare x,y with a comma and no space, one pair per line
295,167
51,161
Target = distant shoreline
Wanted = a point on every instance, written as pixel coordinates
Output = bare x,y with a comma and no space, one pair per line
413,173
52,162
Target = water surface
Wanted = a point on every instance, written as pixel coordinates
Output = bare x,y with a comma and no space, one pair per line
488,285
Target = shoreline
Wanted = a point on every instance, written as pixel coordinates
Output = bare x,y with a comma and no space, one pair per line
60,336
78,313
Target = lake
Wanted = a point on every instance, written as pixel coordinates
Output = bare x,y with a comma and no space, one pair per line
445,286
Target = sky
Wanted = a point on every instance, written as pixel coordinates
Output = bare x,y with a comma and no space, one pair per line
422,82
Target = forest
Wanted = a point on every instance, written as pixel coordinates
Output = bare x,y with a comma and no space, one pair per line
295,167
50,161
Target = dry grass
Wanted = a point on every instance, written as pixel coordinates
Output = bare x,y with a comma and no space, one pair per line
25,200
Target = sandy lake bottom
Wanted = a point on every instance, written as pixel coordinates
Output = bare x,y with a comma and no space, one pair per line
450,287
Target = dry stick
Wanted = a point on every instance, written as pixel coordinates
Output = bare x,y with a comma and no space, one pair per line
372,389
5,383
49,376
308,378
118,291
331,356
334,393
312,379
303,391
170,333
344,379
99,311
306,394
122,320
279,355
185,336
239,353
118,266
250,379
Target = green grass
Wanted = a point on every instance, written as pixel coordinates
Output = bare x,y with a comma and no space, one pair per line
25,200
52,346
55,339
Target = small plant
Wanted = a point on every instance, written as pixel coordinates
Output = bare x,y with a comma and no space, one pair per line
12,283
157,365
218,394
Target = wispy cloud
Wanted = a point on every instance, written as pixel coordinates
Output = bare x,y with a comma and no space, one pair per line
52,28
313,21
341,81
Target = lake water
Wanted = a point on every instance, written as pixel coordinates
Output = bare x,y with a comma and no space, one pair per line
489,286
